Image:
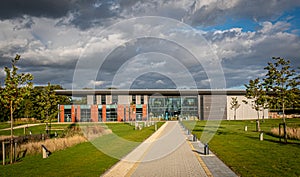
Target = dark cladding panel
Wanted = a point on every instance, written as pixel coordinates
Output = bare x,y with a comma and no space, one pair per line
214,107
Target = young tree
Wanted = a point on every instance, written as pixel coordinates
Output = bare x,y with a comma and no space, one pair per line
280,82
234,105
255,92
47,101
17,86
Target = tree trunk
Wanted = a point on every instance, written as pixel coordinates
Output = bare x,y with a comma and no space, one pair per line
257,122
235,114
284,128
11,133
263,116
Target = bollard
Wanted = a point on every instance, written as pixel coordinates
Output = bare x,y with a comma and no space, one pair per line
188,131
261,136
246,128
194,138
206,149
155,126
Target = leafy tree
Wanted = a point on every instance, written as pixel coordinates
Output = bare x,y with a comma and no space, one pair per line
234,105
16,88
281,81
255,92
45,101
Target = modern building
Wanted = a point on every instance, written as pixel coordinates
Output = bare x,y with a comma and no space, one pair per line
108,105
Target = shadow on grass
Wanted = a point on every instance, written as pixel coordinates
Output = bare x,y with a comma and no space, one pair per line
276,141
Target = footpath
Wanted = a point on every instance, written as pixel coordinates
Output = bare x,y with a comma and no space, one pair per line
170,153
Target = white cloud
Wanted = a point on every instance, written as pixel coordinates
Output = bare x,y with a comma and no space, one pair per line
271,39
269,28
96,83
159,82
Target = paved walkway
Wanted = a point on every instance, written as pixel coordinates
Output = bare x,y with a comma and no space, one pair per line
168,152
21,126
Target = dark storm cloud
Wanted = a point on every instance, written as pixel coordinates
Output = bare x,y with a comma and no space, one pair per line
122,54
94,13
38,8
153,81
86,13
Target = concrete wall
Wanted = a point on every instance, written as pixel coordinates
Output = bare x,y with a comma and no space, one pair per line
245,111
90,99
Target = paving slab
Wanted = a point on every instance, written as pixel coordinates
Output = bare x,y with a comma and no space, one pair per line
170,151
170,155
216,167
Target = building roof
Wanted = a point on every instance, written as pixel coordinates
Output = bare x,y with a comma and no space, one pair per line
165,92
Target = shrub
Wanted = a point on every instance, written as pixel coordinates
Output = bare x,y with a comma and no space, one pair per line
51,144
292,132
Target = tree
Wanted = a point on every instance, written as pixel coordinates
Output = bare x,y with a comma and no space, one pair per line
48,102
16,88
280,82
255,92
234,105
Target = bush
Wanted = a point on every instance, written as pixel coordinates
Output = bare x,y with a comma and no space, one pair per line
292,132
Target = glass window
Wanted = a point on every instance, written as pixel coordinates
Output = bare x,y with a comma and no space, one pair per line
114,99
103,99
67,115
134,99
142,99
85,115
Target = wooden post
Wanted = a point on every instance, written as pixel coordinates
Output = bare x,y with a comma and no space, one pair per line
3,152
15,149
11,133
279,132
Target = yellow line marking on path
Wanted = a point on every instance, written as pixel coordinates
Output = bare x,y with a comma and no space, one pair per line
205,168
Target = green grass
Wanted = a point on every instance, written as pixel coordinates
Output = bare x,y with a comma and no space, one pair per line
247,156
39,129
4,125
84,159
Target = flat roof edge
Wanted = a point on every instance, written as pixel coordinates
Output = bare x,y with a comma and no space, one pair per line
83,92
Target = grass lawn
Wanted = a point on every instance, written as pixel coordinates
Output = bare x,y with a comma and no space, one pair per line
39,129
247,156
4,125
81,160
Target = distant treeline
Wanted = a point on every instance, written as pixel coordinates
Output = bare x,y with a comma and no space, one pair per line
40,104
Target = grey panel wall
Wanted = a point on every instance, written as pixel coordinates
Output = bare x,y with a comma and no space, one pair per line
214,107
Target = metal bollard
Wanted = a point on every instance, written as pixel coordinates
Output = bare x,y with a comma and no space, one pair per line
206,149
194,138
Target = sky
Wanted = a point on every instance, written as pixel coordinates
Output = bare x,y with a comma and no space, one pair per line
146,44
